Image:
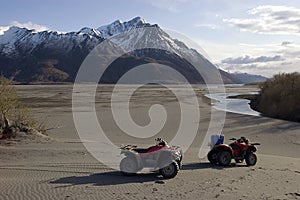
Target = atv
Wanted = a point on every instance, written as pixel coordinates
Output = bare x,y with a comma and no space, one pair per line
162,158
239,150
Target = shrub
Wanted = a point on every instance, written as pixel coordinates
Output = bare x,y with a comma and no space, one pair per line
280,97
14,116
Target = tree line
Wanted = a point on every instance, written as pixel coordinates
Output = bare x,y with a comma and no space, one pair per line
279,97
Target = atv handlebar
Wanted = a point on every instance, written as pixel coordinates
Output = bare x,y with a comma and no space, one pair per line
127,147
161,142
243,139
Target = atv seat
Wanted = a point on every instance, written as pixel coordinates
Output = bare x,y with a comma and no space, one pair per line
141,150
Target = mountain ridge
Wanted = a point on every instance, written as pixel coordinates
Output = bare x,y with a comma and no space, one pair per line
54,56
249,78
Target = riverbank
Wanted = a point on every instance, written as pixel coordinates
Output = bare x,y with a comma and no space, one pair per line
254,105
279,97
233,103
62,168
253,98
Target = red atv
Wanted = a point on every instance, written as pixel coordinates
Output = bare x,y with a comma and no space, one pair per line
240,150
165,159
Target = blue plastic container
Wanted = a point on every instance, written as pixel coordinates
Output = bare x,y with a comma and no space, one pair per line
216,140
221,139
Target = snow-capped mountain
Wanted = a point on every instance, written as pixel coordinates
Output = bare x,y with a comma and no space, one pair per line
54,56
17,40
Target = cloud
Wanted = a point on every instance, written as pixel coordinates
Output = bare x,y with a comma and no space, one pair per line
270,20
286,43
242,67
264,69
289,54
288,50
260,68
247,59
3,29
286,63
29,25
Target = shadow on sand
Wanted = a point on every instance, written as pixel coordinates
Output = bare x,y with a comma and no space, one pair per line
115,177
207,165
108,178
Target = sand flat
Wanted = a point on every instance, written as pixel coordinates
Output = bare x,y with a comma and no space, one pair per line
61,168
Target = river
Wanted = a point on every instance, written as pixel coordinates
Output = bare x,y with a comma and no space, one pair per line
240,106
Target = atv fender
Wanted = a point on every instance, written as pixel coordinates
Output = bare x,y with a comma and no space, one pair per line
164,159
223,147
252,149
136,157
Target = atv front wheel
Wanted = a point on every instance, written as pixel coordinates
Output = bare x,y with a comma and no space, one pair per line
179,162
251,159
128,166
224,158
212,156
170,171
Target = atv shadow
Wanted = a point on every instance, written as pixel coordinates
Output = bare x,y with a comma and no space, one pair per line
207,165
116,178
107,178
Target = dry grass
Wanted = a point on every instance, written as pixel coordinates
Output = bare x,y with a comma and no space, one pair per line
15,117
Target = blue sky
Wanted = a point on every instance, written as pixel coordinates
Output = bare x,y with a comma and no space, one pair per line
261,37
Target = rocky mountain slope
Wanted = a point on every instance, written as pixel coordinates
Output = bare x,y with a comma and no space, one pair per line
53,56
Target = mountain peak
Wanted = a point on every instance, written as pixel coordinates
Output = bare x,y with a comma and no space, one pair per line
138,20
116,22
118,27
14,29
13,34
90,31
135,21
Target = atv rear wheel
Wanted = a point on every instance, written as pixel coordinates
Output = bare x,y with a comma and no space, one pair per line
170,171
224,158
212,156
128,166
251,159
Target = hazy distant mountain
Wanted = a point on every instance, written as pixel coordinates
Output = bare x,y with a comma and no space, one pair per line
248,78
54,56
